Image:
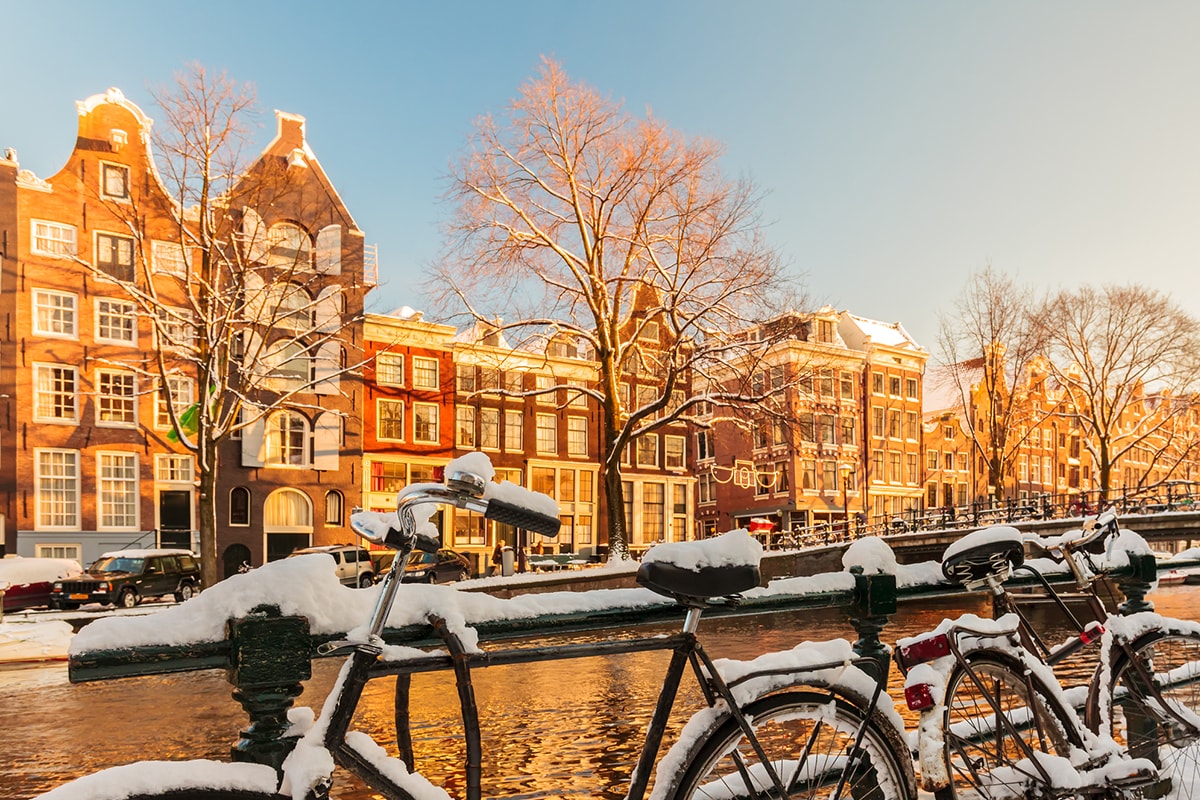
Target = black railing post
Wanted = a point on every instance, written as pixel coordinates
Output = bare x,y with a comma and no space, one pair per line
874,601
269,656
1136,584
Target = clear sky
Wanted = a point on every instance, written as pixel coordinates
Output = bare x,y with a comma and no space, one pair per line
901,146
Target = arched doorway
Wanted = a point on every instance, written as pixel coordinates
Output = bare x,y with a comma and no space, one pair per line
287,522
231,561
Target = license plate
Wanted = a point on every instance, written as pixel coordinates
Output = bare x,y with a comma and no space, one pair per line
79,597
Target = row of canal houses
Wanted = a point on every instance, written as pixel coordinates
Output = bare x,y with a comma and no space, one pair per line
87,462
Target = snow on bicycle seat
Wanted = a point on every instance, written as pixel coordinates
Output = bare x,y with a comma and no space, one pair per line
993,551
716,567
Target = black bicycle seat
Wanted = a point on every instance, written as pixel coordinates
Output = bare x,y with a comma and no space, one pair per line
976,556
675,581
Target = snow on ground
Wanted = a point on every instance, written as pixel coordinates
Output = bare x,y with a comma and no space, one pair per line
33,642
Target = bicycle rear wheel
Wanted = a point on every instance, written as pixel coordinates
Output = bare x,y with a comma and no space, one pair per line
807,736
1173,659
997,730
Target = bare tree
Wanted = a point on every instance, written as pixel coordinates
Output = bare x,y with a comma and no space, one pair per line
990,344
240,330
1109,348
577,221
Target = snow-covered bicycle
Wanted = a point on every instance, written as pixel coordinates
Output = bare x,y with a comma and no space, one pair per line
995,722
803,723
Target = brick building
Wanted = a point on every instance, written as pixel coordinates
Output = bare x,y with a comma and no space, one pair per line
85,455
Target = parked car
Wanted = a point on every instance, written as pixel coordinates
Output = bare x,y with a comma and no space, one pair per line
443,566
382,559
352,564
127,577
26,582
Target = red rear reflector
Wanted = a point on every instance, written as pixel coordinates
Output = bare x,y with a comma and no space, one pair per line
918,697
1091,633
925,650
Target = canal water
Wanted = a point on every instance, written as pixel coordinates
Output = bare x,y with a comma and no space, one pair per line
563,729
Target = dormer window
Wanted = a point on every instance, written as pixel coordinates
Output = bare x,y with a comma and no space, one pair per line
114,181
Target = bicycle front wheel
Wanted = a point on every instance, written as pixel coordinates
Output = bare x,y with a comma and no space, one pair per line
808,737
997,726
1141,718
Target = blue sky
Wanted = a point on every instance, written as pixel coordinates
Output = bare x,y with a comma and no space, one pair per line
900,146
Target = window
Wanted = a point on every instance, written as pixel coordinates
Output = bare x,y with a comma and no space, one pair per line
653,506
489,428
948,460
114,256
179,392
239,506
761,434
114,181
287,435
826,422
288,247
763,482
576,399
514,381
389,369
673,452
334,503
877,465
388,476
547,433
825,384
544,383
425,373
910,388
291,364
877,422
116,321
808,475
894,467
577,438
704,445
910,425
848,430
781,478
893,424
679,507
877,383
425,422
807,426
847,384
894,385
706,488
650,332
55,399
948,432
464,378
962,462
292,307
647,450
829,475
464,427
117,490
74,552
169,258
489,379
931,460
116,399
175,328
514,431
57,488
54,314
389,420
53,239
173,468
911,461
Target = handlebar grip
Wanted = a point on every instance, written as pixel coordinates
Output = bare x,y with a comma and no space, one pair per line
521,517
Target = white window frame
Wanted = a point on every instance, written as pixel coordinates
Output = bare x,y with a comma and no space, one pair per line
40,402
180,398
130,400
174,468
56,239
464,427
542,447
69,316
123,169
437,422
117,239
117,310
514,444
389,367
647,438
40,496
577,437
170,258
130,497
681,441
484,415
279,453
72,551
420,369
379,405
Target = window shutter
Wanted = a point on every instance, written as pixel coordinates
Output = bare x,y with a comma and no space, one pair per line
329,361
329,250
328,303
327,439
254,364
253,443
255,234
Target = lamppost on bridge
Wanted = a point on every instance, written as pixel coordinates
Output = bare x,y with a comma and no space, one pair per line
847,472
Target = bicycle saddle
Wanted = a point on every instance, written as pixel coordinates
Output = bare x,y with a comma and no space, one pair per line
675,581
989,552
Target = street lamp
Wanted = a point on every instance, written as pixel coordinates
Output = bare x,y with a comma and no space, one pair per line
847,471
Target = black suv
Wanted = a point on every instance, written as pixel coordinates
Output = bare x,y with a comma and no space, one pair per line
129,576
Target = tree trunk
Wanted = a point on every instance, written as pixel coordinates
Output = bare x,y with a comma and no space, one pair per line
614,499
207,510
